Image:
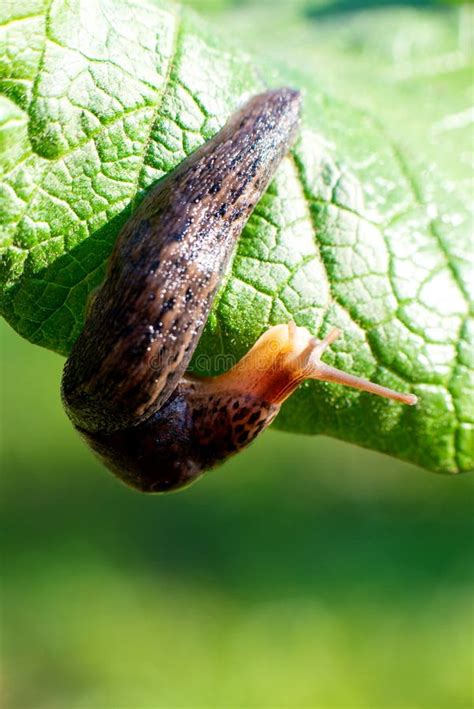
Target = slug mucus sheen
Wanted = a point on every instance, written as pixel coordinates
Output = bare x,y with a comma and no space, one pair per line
124,385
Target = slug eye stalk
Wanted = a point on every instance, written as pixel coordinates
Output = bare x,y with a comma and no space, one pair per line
318,370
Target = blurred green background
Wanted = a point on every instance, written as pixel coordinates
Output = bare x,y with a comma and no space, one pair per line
303,573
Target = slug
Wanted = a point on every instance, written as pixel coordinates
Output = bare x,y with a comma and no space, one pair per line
124,385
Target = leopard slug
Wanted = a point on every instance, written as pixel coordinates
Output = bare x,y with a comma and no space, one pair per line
124,385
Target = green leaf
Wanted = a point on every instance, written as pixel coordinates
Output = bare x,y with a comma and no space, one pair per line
100,99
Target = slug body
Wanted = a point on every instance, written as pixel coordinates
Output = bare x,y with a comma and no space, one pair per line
123,385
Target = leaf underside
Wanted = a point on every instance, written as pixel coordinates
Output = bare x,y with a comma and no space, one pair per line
100,99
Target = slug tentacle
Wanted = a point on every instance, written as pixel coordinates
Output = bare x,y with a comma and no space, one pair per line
318,370
124,385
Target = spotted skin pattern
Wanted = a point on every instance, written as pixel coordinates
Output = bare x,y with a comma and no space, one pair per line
123,385
146,319
191,434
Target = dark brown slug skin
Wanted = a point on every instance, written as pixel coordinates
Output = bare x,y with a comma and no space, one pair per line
146,319
190,434
124,384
